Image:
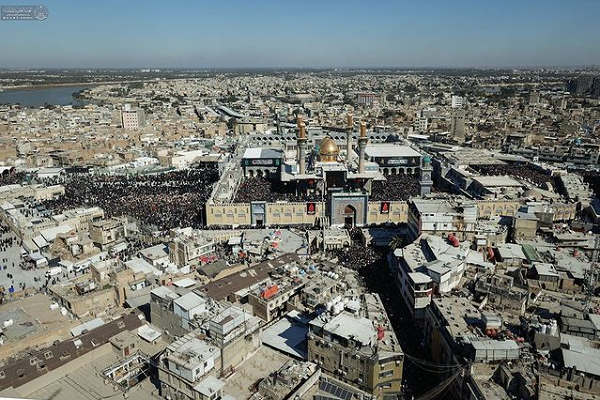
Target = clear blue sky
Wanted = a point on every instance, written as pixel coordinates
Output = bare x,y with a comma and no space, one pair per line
319,33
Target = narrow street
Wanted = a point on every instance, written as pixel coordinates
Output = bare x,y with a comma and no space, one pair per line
378,279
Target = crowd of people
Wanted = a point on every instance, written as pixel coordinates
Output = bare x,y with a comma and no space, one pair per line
395,188
11,178
7,241
593,179
521,171
357,257
161,201
262,189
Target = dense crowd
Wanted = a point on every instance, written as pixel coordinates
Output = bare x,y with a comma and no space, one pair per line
593,179
11,178
7,240
357,257
395,188
521,171
162,201
262,189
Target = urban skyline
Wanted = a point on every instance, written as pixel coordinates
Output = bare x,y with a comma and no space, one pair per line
335,200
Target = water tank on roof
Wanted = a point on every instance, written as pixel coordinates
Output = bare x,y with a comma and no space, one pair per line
553,328
453,240
380,332
338,308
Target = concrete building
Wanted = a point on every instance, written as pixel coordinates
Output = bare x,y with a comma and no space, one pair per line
184,368
270,301
457,101
441,217
187,249
457,125
131,119
414,284
106,233
361,350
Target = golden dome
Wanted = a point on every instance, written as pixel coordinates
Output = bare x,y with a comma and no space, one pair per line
328,150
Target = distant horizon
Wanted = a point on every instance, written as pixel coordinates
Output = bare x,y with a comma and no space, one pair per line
307,68
269,34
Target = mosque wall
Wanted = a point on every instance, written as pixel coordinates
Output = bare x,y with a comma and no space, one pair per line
275,214
396,212
491,208
377,213
293,213
228,214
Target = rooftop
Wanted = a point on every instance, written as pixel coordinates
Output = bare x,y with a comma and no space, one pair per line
390,150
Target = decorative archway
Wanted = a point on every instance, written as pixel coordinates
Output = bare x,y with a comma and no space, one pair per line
349,216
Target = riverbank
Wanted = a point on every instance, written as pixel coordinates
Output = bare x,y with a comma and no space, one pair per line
69,84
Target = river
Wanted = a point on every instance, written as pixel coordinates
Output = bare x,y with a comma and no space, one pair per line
54,95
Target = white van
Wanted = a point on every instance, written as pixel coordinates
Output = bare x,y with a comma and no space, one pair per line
53,271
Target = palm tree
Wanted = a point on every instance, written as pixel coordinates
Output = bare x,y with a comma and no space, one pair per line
396,242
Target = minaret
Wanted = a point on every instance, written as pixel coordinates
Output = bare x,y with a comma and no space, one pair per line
362,145
349,129
302,148
425,181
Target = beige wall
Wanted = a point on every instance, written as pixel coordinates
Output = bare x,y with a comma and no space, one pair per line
232,214
295,213
398,213
240,349
47,193
491,208
564,211
291,213
376,374
93,302
277,213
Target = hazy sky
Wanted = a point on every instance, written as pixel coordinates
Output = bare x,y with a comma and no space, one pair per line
289,33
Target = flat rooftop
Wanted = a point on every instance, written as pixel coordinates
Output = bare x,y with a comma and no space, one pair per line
288,335
497,181
260,365
221,288
261,152
348,326
390,151
86,383
33,323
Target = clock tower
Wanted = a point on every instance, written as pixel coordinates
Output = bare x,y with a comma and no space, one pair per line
425,181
